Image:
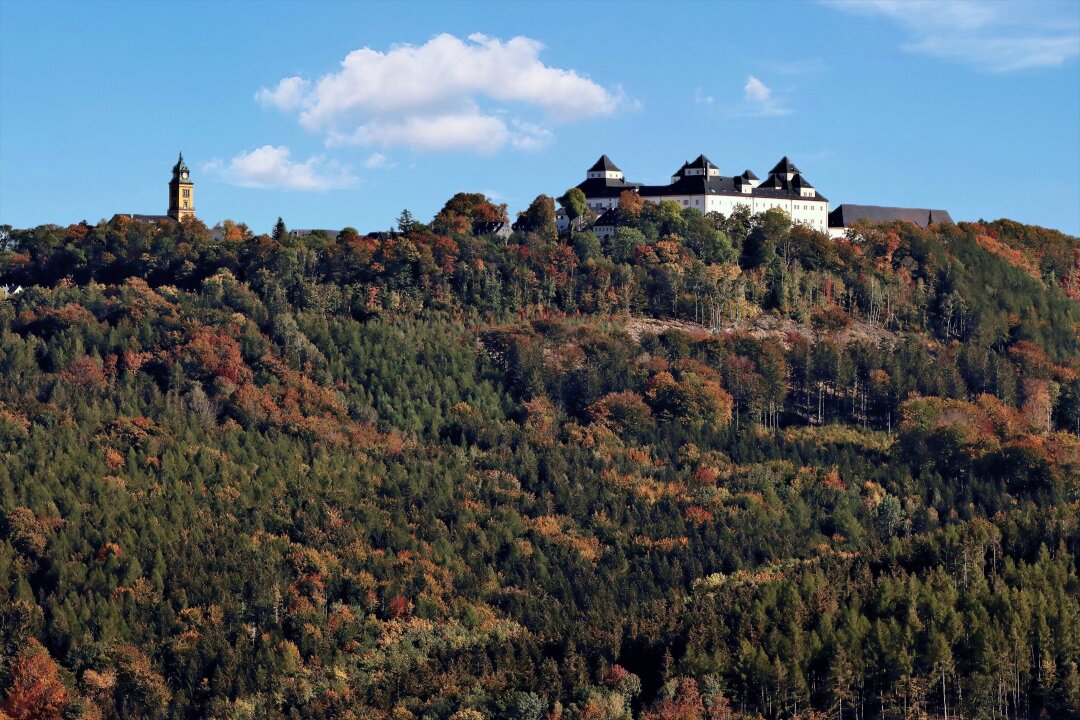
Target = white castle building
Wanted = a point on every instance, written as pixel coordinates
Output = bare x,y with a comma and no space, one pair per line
699,184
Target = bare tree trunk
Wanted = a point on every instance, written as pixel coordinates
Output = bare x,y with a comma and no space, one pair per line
944,704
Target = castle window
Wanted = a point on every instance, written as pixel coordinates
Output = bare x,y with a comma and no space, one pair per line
187,193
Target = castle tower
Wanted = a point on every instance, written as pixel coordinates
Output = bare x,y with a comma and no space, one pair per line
181,192
604,169
785,168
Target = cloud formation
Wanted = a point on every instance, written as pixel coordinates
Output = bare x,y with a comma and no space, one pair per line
287,95
479,94
272,167
375,161
758,100
998,37
756,91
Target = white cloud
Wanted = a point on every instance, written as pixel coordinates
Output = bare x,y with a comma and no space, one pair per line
478,94
701,98
376,161
758,100
1000,54
529,136
756,91
470,130
271,167
288,95
997,37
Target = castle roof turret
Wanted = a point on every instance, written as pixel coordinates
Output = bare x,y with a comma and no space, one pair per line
700,163
785,167
604,164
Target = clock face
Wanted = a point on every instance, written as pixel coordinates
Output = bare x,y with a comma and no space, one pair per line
183,175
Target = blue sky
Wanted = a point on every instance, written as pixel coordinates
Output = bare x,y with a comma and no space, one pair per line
337,113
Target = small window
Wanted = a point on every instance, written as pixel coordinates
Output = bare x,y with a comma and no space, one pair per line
185,204
187,193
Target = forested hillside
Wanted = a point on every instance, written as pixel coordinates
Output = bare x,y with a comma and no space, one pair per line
710,468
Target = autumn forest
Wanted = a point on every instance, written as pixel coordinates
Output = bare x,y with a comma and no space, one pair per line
709,468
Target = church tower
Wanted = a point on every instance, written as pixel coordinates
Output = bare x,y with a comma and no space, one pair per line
181,192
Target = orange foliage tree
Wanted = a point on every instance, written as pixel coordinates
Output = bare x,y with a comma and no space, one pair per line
36,692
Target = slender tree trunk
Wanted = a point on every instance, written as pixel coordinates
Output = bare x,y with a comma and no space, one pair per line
944,703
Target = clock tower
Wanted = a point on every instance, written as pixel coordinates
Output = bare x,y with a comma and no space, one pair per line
181,192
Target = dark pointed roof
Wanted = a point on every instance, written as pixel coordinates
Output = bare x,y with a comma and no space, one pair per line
749,175
799,182
773,181
701,162
604,164
609,217
784,166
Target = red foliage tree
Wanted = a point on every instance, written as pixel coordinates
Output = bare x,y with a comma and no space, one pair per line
397,607
85,372
36,692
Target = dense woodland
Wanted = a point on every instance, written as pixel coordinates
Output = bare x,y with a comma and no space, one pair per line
709,468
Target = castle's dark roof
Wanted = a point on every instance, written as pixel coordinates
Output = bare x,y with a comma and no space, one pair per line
775,186
784,166
787,194
700,163
845,215
604,164
778,183
692,185
774,182
717,185
605,188
608,218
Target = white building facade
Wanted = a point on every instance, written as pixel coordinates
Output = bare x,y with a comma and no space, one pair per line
699,184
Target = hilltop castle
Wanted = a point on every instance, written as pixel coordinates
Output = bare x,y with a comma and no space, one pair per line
699,184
